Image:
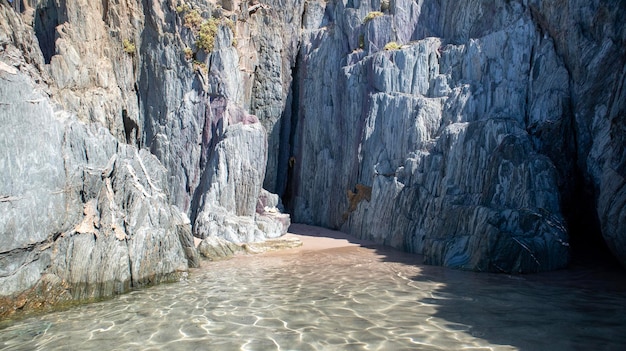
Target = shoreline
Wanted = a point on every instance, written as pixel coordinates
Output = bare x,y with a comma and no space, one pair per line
317,238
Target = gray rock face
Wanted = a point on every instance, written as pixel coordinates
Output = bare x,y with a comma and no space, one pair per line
88,71
197,122
85,212
98,216
233,205
595,59
274,36
459,145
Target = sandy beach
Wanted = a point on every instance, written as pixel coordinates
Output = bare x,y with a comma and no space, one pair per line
318,242
317,238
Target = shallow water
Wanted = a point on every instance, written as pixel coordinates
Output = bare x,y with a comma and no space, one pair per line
350,298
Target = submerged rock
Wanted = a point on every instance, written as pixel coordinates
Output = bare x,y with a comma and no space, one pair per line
215,248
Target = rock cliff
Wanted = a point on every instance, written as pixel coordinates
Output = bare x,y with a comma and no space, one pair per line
124,135
79,207
485,135
463,131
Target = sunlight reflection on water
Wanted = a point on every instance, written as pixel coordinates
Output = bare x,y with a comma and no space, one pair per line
351,298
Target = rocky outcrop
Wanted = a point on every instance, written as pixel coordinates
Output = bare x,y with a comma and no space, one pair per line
590,39
217,152
90,56
232,185
215,248
79,208
88,211
182,107
461,137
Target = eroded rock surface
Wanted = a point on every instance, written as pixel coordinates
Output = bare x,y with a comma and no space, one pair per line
472,134
80,210
116,139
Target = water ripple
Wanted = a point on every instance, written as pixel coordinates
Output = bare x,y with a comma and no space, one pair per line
357,300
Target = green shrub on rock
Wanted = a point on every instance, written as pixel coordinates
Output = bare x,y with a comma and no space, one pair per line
182,8
188,53
370,16
392,46
129,47
193,19
206,37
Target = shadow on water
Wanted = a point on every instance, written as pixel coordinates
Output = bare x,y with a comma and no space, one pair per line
344,294
579,308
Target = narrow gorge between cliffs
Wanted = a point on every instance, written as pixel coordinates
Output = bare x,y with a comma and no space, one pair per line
465,161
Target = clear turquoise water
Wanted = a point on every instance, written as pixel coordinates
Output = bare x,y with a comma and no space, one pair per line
351,298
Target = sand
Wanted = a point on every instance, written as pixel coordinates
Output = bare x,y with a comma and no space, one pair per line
317,238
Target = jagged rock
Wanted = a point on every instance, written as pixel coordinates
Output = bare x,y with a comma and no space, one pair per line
200,139
236,170
33,180
102,203
595,61
183,227
440,133
270,216
91,75
232,191
80,208
215,248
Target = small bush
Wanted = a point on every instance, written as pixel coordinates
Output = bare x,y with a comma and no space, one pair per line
129,47
370,16
193,20
206,37
188,53
392,46
361,41
182,8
